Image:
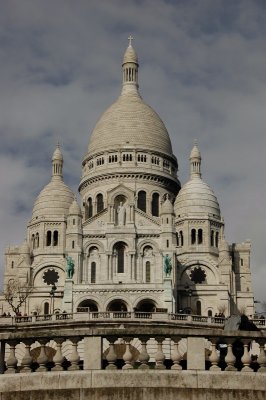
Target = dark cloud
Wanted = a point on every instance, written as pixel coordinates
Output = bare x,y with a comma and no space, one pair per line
202,67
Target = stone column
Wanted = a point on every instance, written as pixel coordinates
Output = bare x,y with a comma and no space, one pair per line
176,356
42,359
111,355
143,355
127,357
74,357
58,357
230,358
27,359
11,362
214,358
262,356
159,356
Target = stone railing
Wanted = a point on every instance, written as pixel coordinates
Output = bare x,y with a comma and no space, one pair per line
78,345
84,314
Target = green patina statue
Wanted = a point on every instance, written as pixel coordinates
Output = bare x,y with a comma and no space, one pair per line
167,265
70,267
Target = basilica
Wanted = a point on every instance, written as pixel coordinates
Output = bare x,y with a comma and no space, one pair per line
137,241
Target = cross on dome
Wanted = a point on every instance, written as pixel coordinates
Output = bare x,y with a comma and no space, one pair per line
130,38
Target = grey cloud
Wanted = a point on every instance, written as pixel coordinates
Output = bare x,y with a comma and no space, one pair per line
202,69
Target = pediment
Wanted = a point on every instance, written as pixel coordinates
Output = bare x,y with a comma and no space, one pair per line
120,190
98,221
145,221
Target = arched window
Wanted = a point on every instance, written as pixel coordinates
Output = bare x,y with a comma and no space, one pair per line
119,251
148,272
46,308
155,205
198,307
209,313
93,272
200,236
181,238
90,208
212,238
48,238
177,240
33,241
193,236
73,244
99,202
142,200
216,239
55,238
37,240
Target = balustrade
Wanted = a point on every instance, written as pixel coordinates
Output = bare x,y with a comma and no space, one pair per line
219,352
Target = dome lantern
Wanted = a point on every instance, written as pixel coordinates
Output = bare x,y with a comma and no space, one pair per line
57,164
195,162
130,68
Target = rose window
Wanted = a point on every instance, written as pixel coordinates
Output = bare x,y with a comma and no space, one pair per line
198,275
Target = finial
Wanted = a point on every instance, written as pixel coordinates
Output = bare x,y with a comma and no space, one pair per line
130,38
195,142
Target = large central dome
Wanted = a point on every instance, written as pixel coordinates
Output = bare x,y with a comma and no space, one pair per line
129,121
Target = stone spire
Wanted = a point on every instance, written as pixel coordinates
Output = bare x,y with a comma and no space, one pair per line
195,162
130,69
57,164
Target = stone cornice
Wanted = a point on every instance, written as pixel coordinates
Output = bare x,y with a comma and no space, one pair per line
146,177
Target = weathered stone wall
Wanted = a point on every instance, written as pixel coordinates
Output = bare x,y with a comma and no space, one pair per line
133,385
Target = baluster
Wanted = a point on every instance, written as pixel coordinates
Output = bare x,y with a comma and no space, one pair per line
11,362
246,359
262,357
27,359
74,357
127,357
58,357
176,357
230,358
111,355
159,356
143,355
42,359
214,358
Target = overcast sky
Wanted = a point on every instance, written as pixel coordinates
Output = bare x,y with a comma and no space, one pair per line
202,68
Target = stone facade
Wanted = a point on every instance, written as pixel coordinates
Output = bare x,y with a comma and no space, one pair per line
138,241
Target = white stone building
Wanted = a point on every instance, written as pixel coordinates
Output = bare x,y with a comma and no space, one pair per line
137,241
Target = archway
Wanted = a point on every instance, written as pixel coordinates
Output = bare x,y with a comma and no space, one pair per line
87,306
146,305
117,305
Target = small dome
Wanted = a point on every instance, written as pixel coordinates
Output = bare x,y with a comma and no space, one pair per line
130,55
196,197
167,207
74,209
57,154
195,153
55,199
